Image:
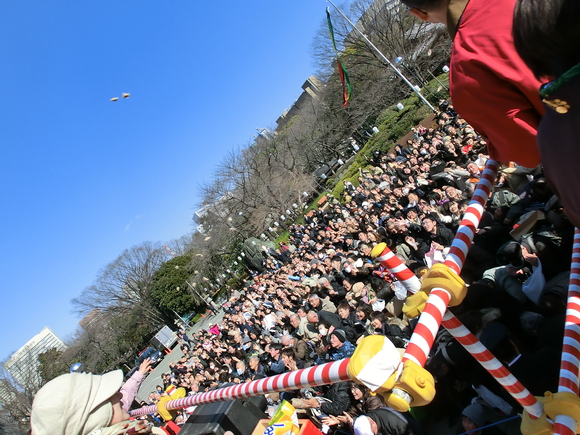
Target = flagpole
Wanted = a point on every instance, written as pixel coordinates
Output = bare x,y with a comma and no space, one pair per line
382,56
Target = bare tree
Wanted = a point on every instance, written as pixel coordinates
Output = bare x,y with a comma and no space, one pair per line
254,183
125,284
16,400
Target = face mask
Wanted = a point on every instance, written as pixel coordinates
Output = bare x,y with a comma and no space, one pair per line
323,331
240,371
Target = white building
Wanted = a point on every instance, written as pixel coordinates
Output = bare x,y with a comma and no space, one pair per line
23,364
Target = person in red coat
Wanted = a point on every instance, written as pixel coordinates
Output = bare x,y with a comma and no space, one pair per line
491,87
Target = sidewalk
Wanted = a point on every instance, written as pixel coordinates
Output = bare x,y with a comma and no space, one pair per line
154,378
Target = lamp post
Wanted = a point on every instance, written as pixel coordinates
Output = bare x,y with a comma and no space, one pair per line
199,295
399,61
445,69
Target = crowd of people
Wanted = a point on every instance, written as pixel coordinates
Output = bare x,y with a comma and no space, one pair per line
321,292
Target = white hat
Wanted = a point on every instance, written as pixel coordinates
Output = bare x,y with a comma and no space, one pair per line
75,404
362,426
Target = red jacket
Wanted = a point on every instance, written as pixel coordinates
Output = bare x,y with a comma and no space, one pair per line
491,87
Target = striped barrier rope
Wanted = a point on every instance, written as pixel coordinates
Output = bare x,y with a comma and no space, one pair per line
322,374
565,425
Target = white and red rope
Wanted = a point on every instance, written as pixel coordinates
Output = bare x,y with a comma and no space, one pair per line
565,425
492,365
403,274
435,313
468,225
426,330
430,320
322,374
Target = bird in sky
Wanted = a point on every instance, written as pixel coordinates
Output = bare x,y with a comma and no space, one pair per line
125,95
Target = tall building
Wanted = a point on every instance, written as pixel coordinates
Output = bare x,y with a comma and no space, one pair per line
7,393
23,364
312,87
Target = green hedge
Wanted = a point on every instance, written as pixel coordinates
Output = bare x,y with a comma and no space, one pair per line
393,124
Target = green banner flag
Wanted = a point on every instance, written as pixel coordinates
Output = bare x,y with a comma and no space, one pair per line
344,79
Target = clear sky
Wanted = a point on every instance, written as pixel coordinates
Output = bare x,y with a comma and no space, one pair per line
83,178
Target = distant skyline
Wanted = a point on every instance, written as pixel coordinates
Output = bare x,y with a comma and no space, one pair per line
83,178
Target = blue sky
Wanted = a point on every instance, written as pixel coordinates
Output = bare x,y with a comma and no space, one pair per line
83,178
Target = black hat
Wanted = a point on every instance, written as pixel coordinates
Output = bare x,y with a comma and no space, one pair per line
340,334
511,254
492,335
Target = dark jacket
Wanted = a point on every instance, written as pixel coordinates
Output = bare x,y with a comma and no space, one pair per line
340,399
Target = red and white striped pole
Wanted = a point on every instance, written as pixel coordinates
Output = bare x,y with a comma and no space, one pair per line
566,425
492,365
322,374
435,312
468,226
400,271
436,305
481,354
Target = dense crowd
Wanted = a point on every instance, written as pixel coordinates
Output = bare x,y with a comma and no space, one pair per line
321,292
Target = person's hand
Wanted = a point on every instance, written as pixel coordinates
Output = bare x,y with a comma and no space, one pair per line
531,258
437,246
345,418
411,242
311,403
145,366
330,420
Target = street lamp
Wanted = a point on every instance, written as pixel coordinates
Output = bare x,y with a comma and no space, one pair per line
445,69
399,61
192,287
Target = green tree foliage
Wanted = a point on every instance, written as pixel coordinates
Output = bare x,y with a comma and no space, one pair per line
52,364
170,290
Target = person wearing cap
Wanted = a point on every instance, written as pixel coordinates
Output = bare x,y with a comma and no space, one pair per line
340,347
83,404
514,276
474,417
386,421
